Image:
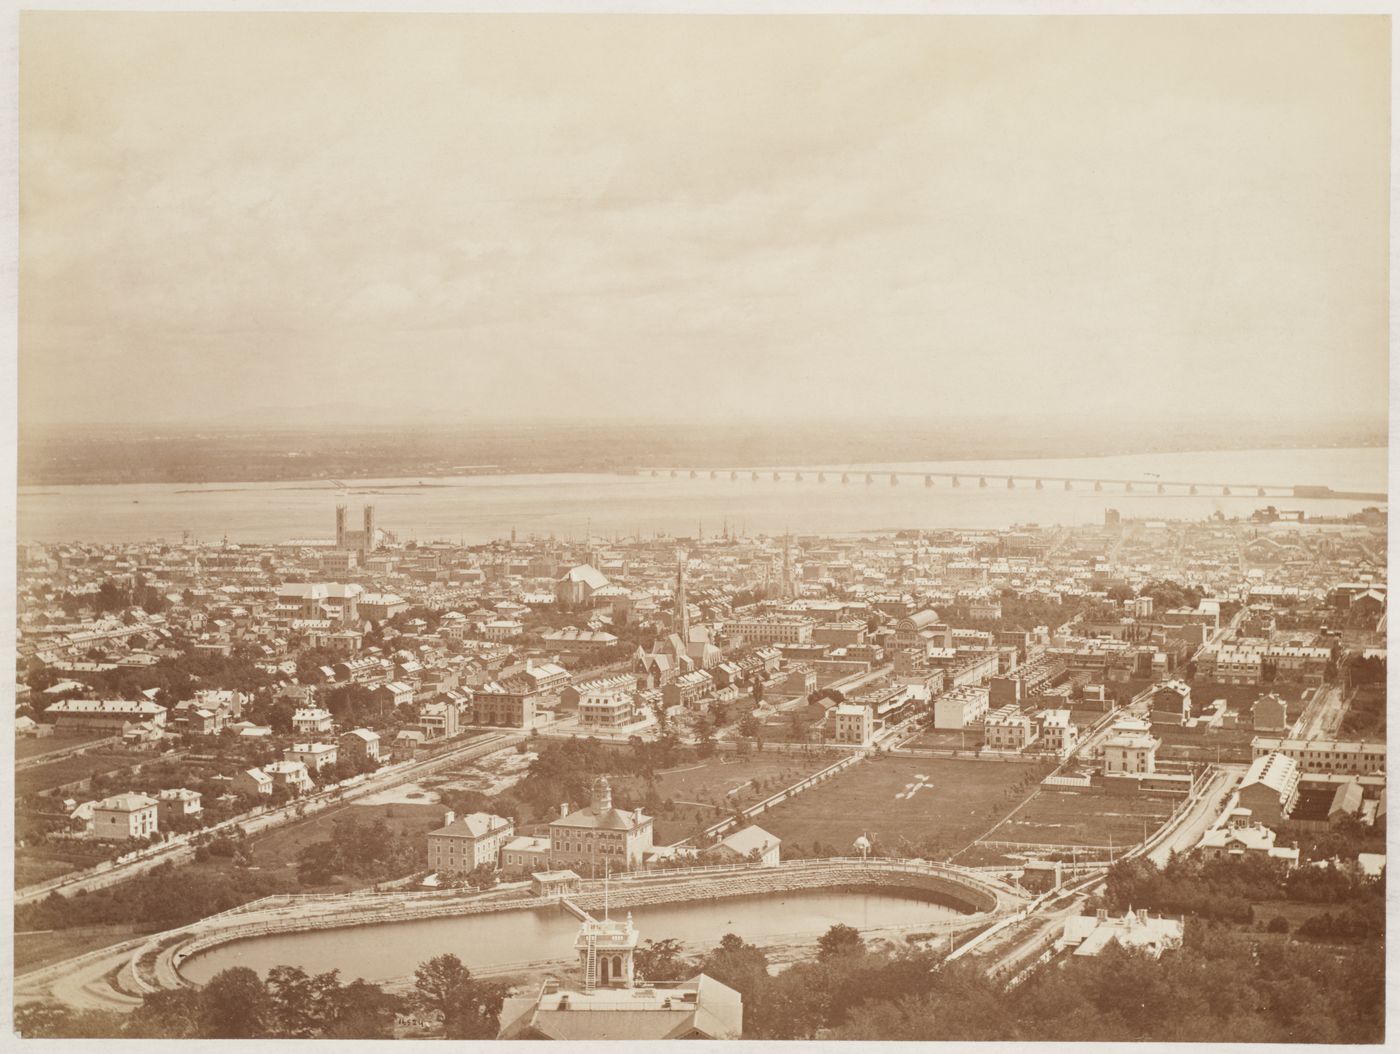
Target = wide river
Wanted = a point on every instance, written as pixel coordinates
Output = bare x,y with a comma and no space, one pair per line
382,951
477,509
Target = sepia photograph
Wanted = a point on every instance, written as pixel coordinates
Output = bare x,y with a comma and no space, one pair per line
737,523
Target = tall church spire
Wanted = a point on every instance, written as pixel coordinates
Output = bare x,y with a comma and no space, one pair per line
680,619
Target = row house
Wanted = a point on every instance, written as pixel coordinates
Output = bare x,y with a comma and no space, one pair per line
687,689
1326,756
1008,729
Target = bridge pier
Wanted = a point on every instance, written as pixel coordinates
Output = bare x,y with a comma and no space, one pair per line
1193,488
1129,488
673,473
776,477
1098,484
1010,483
928,481
714,474
957,482
821,477
1225,491
797,477
692,473
733,476
894,480
755,477
869,478
1261,493
982,481
1161,488
1040,484
845,477
1069,484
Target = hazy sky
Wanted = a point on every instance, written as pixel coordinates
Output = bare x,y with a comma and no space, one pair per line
459,216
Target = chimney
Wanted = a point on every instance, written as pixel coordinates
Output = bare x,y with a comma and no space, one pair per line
563,809
449,817
1103,914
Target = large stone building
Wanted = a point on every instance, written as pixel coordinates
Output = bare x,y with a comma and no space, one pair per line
770,629
1325,755
595,840
509,705
320,601
105,715
362,541
464,843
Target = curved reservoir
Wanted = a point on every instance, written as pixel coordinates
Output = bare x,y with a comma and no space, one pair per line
382,951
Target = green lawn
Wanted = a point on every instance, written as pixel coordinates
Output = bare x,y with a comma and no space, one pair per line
946,739
703,791
1066,816
31,746
901,803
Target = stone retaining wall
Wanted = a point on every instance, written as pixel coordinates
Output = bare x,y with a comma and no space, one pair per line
967,897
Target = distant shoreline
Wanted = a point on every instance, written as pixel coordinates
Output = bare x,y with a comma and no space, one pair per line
359,484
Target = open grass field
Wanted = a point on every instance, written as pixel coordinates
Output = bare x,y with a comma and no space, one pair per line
904,803
945,739
705,790
70,770
32,746
1067,816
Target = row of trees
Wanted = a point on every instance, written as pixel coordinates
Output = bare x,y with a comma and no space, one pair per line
1222,986
1227,889
288,1004
162,898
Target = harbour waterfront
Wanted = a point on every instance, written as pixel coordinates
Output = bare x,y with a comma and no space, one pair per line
480,508
389,950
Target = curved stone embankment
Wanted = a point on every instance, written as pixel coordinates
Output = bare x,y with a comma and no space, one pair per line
961,895
154,963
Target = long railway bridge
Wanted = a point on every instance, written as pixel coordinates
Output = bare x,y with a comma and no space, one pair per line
1036,482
